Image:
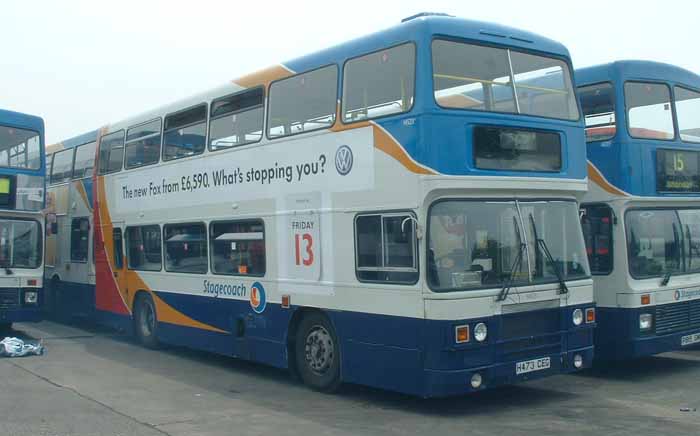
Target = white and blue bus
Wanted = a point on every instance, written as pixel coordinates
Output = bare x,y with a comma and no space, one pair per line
22,193
641,216
399,211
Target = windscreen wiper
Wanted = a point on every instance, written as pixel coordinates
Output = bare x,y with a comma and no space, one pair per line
508,284
667,278
542,245
669,273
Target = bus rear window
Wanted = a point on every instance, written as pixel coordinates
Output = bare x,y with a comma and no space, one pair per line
468,76
649,113
598,105
500,148
379,83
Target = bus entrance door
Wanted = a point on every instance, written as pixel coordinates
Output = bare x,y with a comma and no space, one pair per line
118,269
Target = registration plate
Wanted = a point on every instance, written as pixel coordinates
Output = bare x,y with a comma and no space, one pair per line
690,339
532,365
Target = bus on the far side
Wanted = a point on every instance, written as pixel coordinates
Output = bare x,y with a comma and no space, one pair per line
22,193
641,216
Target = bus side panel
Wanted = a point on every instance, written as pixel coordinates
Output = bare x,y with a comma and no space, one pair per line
231,327
381,351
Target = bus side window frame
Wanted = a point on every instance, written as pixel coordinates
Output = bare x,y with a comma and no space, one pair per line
205,241
110,136
165,129
237,95
384,270
142,239
612,222
211,245
138,141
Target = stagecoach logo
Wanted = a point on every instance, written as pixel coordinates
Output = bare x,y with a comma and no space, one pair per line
258,299
686,294
343,160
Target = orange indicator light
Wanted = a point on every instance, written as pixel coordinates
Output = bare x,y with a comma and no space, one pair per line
462,334
590,315
646,299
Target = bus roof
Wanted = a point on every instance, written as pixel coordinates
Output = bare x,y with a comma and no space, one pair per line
426,27
22,121
420,28
624,70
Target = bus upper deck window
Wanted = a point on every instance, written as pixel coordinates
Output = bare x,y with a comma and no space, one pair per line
379,83
649,114
688,109
184,133
303,103
143,144
236,120
598,104
476,77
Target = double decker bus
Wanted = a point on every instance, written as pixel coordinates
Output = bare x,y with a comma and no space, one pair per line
70,261
399,211
22,193
641,216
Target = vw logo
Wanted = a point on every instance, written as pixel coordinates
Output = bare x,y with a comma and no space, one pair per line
343,160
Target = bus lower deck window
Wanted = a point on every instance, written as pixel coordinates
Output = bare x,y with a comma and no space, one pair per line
238,247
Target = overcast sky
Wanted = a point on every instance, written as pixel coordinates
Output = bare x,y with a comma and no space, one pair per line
81,64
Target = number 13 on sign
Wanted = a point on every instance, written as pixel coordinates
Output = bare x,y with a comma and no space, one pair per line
304,249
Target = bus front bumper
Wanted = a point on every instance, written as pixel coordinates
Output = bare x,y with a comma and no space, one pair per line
440,383
618,337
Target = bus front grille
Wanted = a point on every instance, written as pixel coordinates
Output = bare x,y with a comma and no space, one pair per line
529,324
9,298
676,317
530,334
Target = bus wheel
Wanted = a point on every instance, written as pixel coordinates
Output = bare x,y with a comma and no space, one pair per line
317,352
146,321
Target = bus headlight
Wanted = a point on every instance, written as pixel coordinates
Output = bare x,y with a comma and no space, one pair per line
646,322
577,316
31,297
480,332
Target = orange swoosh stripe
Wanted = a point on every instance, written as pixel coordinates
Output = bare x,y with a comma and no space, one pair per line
597,177
264,77
166,313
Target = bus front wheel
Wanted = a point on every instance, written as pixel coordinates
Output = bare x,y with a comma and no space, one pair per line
146,321
317,352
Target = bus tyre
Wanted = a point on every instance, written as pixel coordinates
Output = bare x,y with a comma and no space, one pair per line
146,321
317,353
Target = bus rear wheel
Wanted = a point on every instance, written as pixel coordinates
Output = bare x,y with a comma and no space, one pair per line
317,352
146,321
